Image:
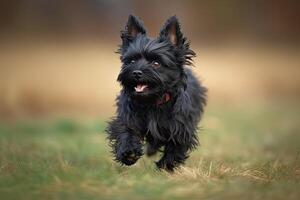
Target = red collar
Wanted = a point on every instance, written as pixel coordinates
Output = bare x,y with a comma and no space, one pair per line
165,98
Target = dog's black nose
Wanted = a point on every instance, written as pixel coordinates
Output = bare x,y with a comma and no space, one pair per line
137,73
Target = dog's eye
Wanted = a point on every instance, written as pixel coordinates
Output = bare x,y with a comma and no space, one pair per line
132,61
155,64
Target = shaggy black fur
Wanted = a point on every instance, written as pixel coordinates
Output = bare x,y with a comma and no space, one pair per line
164,113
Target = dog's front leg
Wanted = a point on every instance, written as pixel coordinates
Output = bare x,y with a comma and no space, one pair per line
126,145
128,148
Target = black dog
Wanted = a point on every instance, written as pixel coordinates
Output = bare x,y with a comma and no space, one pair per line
161,101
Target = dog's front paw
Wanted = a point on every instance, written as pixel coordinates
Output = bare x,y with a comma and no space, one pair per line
129,155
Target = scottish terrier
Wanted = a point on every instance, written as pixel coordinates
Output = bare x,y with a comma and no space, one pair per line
161,101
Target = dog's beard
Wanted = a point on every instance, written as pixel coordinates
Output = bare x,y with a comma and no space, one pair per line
148,88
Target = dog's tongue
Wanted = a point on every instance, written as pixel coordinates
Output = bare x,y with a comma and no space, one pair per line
140,88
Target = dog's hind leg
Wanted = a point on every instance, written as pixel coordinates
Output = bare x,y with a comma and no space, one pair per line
150,150
151,146
173,156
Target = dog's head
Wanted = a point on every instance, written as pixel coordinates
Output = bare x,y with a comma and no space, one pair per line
152,67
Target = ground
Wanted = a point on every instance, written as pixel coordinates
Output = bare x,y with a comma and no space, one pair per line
246,153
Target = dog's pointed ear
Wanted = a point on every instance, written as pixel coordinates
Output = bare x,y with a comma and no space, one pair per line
133,27
171,30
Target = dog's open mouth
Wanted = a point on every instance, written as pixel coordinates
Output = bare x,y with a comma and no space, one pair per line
141,88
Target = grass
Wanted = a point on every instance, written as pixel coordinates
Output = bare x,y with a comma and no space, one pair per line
245,153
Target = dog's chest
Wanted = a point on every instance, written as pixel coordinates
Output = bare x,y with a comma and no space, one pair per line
158,124
153,122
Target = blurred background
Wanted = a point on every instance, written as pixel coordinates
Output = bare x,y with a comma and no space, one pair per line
57,58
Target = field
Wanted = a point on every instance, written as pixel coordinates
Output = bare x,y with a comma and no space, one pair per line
58,85
245,153
250,141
